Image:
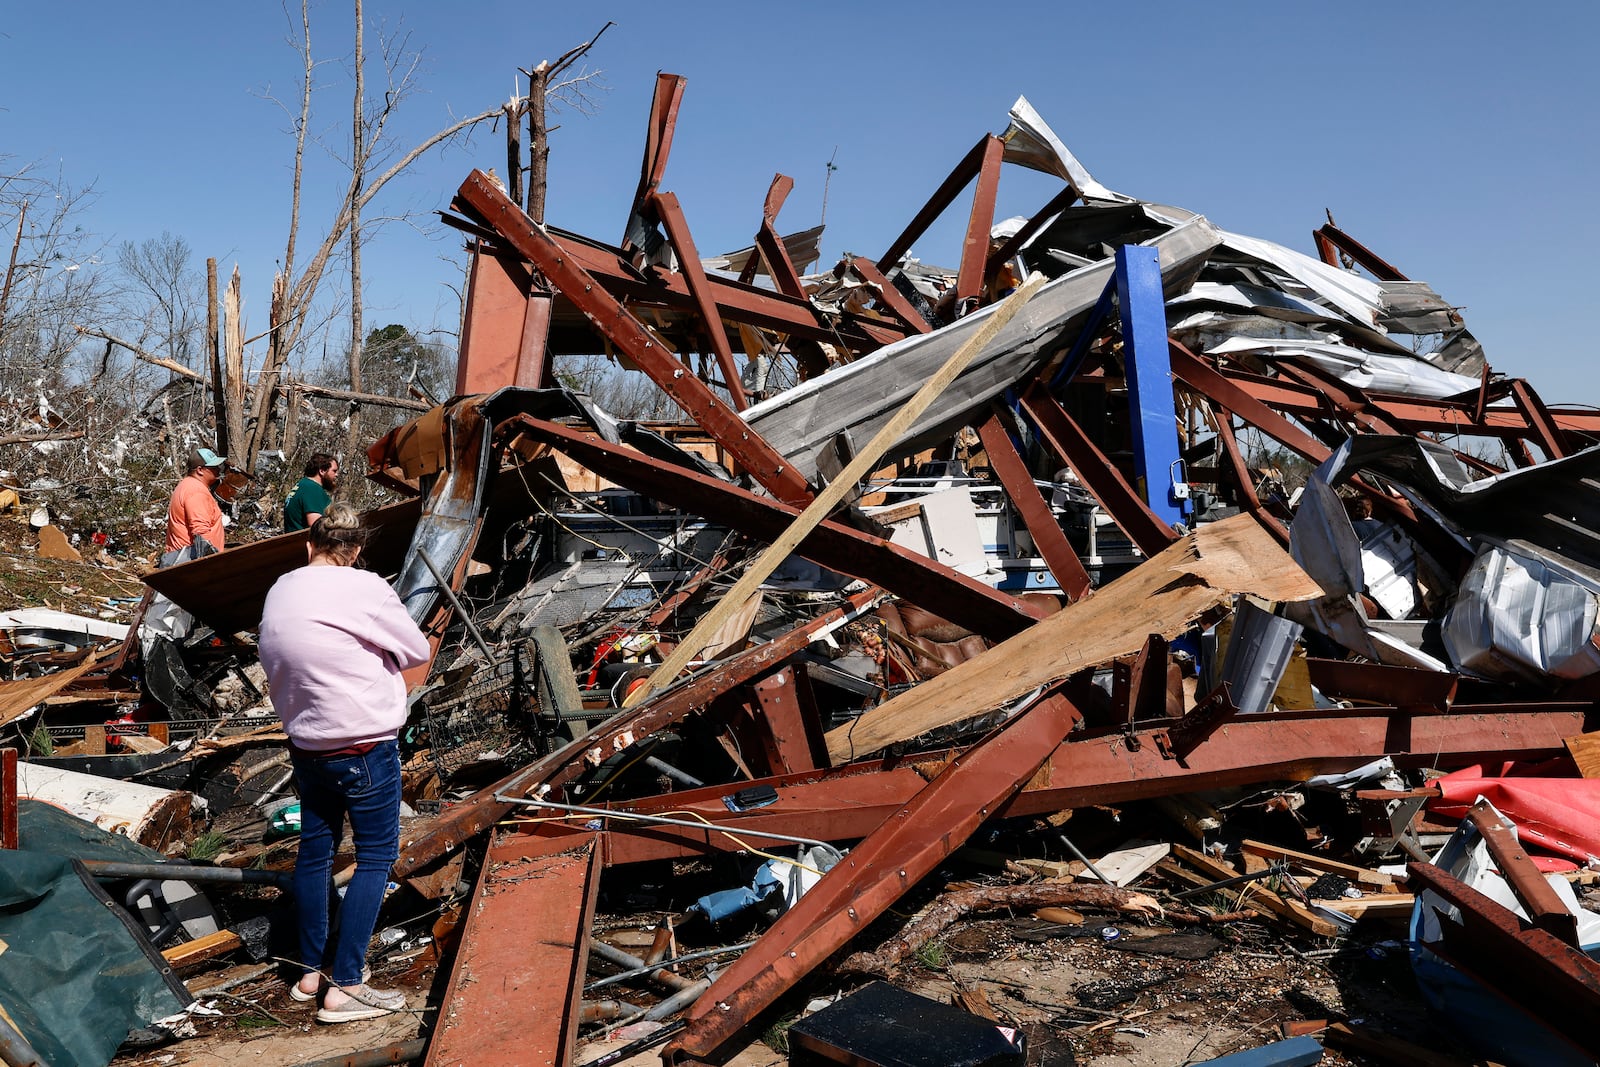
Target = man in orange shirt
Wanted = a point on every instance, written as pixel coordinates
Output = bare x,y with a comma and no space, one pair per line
193,516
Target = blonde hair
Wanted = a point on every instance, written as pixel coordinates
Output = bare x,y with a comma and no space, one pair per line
339,534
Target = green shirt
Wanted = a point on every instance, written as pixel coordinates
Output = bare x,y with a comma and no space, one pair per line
308,498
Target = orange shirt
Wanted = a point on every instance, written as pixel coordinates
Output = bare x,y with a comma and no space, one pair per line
193,512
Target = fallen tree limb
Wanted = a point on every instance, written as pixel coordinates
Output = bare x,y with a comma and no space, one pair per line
24,438
141,354
374,399
953,906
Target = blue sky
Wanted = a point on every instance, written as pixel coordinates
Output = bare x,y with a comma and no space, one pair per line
1456,140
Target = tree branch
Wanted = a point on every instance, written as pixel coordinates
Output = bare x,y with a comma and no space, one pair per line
141,354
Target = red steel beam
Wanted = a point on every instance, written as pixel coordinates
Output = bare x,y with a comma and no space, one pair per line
782,722
945,592
1545,909
489,202
514,990
1553,982
1058,553
891,297
1330,236
761,308
875,874
671,214
1098,474
975,245
942,198
8,799
848,802
770,245
663,123
1013,244
1240,471
1544,427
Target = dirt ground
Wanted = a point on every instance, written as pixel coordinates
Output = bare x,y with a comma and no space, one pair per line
1129,998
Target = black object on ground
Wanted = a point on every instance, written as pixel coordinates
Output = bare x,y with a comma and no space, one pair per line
882,1026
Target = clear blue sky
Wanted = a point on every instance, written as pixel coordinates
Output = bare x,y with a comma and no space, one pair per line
1457,140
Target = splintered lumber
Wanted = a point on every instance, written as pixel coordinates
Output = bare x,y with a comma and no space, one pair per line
952,906
1374,905
1163,595
1361,876
1257,896
201,949
864,462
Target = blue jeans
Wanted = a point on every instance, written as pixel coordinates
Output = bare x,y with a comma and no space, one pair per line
366,789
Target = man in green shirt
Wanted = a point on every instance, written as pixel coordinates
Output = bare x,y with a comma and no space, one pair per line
314,493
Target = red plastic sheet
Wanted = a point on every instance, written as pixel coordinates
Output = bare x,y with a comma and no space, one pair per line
1560,815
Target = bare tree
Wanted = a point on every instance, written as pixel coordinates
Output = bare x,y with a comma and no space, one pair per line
546,85
293,294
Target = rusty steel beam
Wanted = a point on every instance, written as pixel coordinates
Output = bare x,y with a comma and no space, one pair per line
1240,472
1036,222
1545,430
1205,379
1545,909
1112,767
1057,551
770,245
1408,688
659,131
1098,474
875,874
514,989
942,198
971,275
462,821
1556,984
671,214
891,297
785,712
761,308
1330,237
945,592
489,203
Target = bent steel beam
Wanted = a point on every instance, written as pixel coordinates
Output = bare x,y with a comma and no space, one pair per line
671,215
483,196
1112,767
865,883
1052,543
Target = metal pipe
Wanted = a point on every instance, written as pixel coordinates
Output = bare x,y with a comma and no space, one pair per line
644,969
108,870
1256,876
629,1051
404,1052
460,609
658,820
612,954
1082,858
15,1051
672,772
680,1000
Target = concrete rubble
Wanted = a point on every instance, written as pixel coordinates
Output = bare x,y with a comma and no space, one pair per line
1148,600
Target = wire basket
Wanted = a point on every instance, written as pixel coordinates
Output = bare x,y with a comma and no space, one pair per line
490,715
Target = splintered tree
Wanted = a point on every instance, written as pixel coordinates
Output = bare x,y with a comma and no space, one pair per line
292,293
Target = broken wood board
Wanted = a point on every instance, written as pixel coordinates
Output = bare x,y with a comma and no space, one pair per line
19,696
1585,749
1255,895
1374,905
1361,876
201,949
1163,595
1121,867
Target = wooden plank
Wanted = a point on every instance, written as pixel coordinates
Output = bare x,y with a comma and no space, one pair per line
843,484
1391,905
201,949
1164,595
1361,876
1125,865
1256,895
1585,749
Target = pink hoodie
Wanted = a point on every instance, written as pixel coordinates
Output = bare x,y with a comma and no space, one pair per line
333,643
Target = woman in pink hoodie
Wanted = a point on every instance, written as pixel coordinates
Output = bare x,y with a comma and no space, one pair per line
334,640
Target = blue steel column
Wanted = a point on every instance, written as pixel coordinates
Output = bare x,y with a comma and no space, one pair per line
1154,424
